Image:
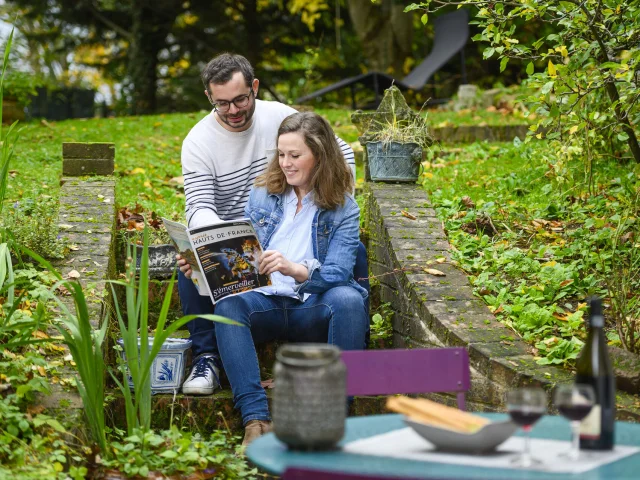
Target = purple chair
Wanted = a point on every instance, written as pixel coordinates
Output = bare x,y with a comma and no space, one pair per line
387,372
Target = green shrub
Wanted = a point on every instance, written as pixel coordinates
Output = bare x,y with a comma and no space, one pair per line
22,86
34,224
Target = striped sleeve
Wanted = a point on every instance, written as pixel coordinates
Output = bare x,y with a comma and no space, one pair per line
199,187
348,154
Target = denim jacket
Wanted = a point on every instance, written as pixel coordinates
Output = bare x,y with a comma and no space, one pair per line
335,239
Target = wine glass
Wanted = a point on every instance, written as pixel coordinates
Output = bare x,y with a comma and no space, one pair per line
574,402
526,406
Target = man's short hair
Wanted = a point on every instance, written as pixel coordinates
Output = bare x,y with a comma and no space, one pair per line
222,67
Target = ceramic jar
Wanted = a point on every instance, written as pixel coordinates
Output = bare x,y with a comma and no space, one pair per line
309,403
168,368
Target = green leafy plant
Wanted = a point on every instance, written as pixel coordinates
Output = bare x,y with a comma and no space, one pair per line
22,86
381,327
136,346
33,223
175,452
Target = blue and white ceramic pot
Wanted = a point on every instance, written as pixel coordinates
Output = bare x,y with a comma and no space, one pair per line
167,371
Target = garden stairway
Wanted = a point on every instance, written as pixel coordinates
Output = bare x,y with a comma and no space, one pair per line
87,223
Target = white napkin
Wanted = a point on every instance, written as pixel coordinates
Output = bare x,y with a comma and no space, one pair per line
407,444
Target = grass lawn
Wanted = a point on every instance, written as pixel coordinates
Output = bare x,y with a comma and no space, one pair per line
534,240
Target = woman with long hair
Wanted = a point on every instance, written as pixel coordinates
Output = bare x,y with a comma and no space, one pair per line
308,224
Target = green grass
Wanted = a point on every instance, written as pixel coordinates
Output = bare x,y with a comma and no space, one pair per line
533,239
147,156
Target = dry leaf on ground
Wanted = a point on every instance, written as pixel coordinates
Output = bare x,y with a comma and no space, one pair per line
408,215
433,271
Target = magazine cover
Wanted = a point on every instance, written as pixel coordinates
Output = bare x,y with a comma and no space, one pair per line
228,254
180,238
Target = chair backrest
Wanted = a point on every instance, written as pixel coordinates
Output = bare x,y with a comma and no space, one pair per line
451,32
387,372
296,473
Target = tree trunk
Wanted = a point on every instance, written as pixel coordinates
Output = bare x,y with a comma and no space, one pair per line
614,96
253,29
150,27
386,33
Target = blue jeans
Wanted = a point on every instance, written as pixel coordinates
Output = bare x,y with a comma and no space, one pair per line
202,332
337,317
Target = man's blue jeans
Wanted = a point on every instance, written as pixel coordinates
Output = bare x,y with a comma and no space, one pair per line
202,332
337,317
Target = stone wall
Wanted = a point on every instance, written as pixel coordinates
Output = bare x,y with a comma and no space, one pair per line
479,133
404,239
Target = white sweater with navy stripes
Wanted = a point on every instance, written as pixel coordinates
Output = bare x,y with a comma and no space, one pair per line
219,166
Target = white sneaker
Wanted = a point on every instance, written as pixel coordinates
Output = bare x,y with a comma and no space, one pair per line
203,379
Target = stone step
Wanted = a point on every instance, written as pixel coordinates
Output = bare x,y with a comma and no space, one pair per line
205,413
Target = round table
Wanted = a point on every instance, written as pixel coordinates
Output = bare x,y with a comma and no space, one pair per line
271,455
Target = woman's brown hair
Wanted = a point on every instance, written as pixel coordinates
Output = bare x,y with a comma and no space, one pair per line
332,177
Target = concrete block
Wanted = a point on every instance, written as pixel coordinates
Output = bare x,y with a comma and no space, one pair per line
104,151
87,166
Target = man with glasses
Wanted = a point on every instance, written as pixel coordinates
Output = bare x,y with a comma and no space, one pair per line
221,156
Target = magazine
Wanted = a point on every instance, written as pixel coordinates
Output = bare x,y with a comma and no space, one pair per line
226,256
180,237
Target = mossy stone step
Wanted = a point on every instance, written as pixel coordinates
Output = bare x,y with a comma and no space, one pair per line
206,413
202,413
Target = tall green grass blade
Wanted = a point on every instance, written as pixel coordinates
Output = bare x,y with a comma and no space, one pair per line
5,64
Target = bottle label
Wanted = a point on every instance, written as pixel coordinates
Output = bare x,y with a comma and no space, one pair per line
590,427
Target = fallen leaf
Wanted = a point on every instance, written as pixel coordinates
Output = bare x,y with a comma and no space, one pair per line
433,271
566,282
136,171
65,226
441,259
73,274
467,202
74,247
408,215
35,409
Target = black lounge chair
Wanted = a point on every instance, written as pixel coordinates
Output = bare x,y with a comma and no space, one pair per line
451,35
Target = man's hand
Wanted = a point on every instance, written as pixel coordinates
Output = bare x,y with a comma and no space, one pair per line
183,266
274,261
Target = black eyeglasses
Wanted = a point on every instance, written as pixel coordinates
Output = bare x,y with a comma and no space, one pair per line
240,101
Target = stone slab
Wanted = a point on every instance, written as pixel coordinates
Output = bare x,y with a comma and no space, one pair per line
101,150
83,166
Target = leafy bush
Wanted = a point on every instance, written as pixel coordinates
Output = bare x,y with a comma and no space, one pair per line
585,73
22,86
34,224
174,452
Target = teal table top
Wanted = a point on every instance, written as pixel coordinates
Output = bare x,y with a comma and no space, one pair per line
271,455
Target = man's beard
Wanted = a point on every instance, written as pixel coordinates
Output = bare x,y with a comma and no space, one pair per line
247,114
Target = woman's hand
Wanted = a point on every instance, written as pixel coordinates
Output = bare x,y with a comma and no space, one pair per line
183,266
273,261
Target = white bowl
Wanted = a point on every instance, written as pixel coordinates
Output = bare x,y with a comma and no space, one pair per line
483,440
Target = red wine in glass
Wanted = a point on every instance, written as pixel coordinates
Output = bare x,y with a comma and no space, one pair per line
575,402
526,406
574,413
525,417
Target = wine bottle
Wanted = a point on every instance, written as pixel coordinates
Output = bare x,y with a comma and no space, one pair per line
594,368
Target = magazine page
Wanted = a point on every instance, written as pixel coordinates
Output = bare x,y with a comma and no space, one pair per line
180,238
229,255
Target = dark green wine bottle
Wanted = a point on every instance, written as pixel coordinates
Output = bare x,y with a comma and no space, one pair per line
594,368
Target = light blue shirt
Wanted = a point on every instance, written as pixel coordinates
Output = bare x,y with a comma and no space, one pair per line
293,239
